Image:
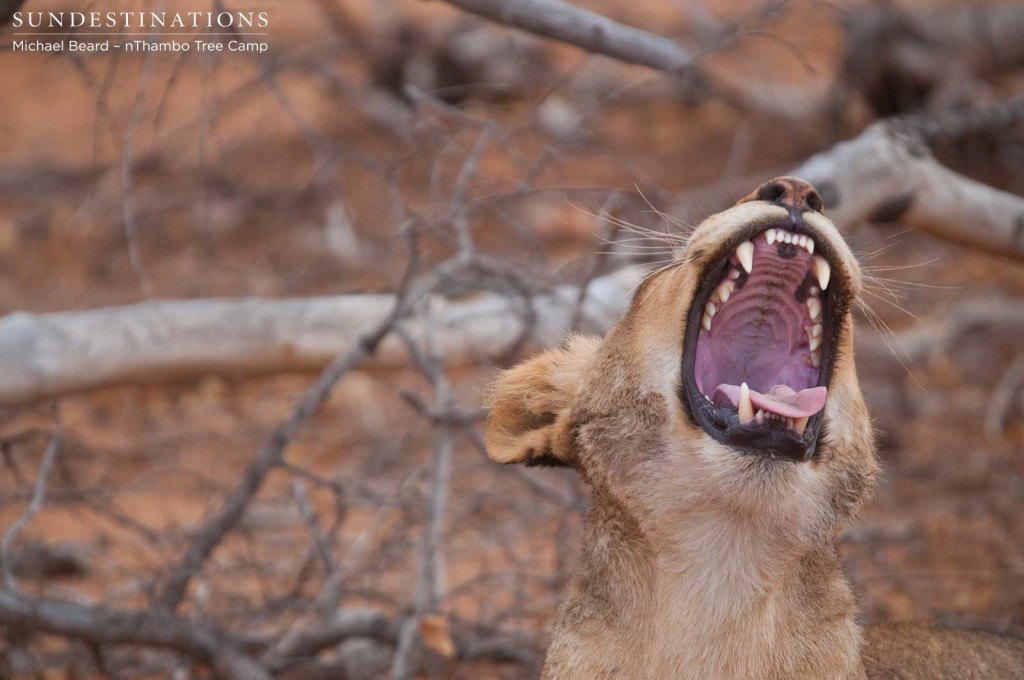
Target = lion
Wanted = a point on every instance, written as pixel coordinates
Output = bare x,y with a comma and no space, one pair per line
723,434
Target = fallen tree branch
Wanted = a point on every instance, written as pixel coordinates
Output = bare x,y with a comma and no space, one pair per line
53,354
887,174
151,628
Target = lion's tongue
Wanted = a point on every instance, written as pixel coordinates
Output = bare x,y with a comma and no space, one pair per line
781,399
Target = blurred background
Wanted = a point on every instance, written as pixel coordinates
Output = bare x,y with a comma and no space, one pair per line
181,497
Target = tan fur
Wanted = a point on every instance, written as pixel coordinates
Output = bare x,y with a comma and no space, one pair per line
699,562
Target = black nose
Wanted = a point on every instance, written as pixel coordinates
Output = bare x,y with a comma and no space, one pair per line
790,192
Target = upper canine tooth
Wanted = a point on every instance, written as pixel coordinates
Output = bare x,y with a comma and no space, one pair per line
745,407
822,271
770,236
745,254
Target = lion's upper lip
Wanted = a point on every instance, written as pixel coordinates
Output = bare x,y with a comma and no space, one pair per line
761,357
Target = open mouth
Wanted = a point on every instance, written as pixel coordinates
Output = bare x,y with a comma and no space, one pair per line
760,343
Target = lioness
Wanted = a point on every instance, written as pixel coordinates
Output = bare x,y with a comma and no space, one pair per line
724,436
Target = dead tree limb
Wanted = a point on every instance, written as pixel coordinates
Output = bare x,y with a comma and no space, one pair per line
51,354
587,30
597,34
887,174
98,625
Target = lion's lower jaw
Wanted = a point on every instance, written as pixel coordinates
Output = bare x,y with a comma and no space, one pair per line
633,620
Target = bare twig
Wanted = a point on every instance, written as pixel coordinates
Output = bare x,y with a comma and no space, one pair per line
1002,398
428,589
213,530
33,508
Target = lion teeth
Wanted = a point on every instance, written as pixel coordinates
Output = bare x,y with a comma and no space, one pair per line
814,308
816,358
710,309
800,424
746,407
814,342
745,254
723,291
773,236
821,270
816,330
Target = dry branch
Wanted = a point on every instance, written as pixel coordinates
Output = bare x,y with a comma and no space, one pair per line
587,30
887,174
597,34
151,628
51,354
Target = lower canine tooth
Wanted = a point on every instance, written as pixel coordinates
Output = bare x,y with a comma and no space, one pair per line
745,254
746,407
800,424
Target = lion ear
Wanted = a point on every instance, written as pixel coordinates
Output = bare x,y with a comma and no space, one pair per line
530,404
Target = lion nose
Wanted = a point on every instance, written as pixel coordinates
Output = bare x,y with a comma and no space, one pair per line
792,193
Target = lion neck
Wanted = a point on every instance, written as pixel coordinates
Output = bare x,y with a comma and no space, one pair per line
709,596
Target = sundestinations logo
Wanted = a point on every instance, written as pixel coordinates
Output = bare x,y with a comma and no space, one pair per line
98,31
